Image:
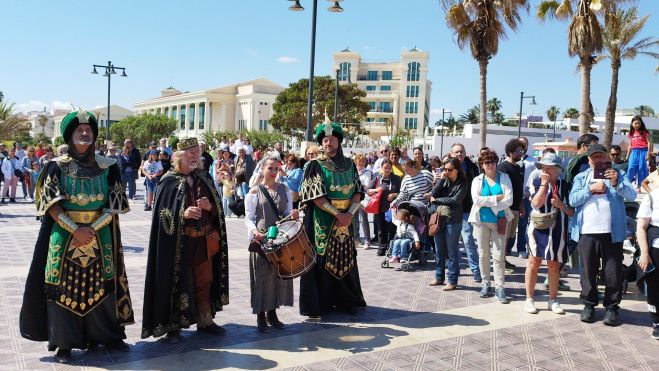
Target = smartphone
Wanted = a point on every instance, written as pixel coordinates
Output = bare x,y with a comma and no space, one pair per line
600,168
651,266
439,170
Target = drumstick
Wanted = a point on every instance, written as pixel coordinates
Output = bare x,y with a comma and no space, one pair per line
288,217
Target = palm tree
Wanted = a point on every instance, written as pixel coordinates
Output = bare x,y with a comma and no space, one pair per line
481,24
571,113
644,110
621,27
2,96
472,115
584,40
42,120
493,106
552,115
11,124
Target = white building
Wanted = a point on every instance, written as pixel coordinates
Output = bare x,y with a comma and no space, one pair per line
398,91
41,122
237,107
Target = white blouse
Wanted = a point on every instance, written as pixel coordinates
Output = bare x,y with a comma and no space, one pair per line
252,202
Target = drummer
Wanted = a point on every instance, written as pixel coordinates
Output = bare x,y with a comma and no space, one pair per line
266,203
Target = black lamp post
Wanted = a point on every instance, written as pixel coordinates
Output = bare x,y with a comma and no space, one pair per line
441,147
110,70
521,101
336,8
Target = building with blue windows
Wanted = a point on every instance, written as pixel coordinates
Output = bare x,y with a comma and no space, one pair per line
397,92
238,107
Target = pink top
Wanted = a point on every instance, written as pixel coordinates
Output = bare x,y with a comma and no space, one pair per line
638,140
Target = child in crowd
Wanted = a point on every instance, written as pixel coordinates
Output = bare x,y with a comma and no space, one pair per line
405,234
227,190
151,169
34,175
641,145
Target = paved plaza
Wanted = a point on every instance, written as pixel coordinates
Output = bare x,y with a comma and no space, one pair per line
407,325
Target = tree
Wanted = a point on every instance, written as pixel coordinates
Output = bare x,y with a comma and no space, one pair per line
481,24
621,27
472,115
493,106
571,113
401,139
552,115
11,124
644,110
498,118
42,120
143,128
290,106
584,40
2,96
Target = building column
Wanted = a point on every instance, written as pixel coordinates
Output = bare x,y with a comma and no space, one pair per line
395,119
196,117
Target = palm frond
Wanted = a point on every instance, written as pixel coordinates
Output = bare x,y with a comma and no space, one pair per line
546,10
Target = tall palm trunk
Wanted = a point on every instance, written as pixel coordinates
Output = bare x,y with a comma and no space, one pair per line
584,116
611,106
482,64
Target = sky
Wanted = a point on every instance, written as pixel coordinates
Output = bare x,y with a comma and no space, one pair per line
50,47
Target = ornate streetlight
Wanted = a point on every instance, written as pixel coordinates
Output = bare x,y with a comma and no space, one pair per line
110,70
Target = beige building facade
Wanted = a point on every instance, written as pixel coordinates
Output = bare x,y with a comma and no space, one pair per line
397,92
237,107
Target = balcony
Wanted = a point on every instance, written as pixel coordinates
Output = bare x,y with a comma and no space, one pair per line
366,78
381,110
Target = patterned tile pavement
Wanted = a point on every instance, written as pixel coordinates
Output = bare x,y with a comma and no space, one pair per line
392,295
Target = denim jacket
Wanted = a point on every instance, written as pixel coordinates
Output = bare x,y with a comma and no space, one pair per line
617,195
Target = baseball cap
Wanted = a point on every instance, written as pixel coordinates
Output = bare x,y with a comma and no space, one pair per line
597,148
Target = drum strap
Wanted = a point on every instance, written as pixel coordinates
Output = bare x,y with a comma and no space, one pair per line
266,194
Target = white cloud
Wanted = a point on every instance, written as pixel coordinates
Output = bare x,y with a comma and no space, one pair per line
36,105
287,60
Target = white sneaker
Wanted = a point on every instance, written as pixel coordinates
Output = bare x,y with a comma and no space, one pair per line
529,306
555,307
367,245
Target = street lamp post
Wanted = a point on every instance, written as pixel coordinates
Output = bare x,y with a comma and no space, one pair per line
521,101
441,147
110,70
336,96
336,8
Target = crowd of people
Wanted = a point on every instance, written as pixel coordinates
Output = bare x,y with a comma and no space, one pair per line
407,208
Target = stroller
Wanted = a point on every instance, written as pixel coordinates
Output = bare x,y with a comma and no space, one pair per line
419,211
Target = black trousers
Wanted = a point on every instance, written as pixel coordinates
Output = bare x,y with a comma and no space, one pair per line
652,281
592,249
387,230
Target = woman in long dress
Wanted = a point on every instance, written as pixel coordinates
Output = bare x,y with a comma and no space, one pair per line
268,291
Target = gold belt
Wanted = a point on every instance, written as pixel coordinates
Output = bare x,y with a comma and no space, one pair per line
341,205
84,216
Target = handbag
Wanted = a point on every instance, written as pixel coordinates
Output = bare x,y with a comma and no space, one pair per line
545,220
438,220
18,173
373,204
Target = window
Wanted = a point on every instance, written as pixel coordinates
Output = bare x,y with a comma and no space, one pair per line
371,106
372,76
385,88
412,91
411,107
413,73
370,87
182,117
385,107
263,125
370,119
174,113
386,75
241,125
191,113
202,115
166,112
344,71
410,123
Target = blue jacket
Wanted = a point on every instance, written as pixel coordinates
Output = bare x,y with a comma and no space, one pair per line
580,193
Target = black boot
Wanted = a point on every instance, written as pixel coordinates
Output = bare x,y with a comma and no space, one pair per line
118,346
273,320
63,355
262,323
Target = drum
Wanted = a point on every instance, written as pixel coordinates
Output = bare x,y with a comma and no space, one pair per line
291,253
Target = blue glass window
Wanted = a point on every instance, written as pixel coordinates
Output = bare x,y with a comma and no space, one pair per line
191,113
385,88
182,117
370,87
372,76
202,115
386,75
385,107
371,106
344,71
413,73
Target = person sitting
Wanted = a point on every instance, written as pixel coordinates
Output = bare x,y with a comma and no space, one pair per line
405,235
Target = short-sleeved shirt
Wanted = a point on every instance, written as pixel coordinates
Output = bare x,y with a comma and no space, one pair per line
638,140
152,168
650,209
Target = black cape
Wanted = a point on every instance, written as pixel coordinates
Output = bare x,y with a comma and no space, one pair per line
169,288
33,318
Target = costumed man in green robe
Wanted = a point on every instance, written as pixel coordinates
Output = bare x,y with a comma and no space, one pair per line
332,192
187,273
76,293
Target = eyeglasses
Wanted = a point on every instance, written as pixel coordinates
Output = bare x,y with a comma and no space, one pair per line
520,151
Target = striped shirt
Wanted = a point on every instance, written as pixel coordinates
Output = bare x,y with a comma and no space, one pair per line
413,188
